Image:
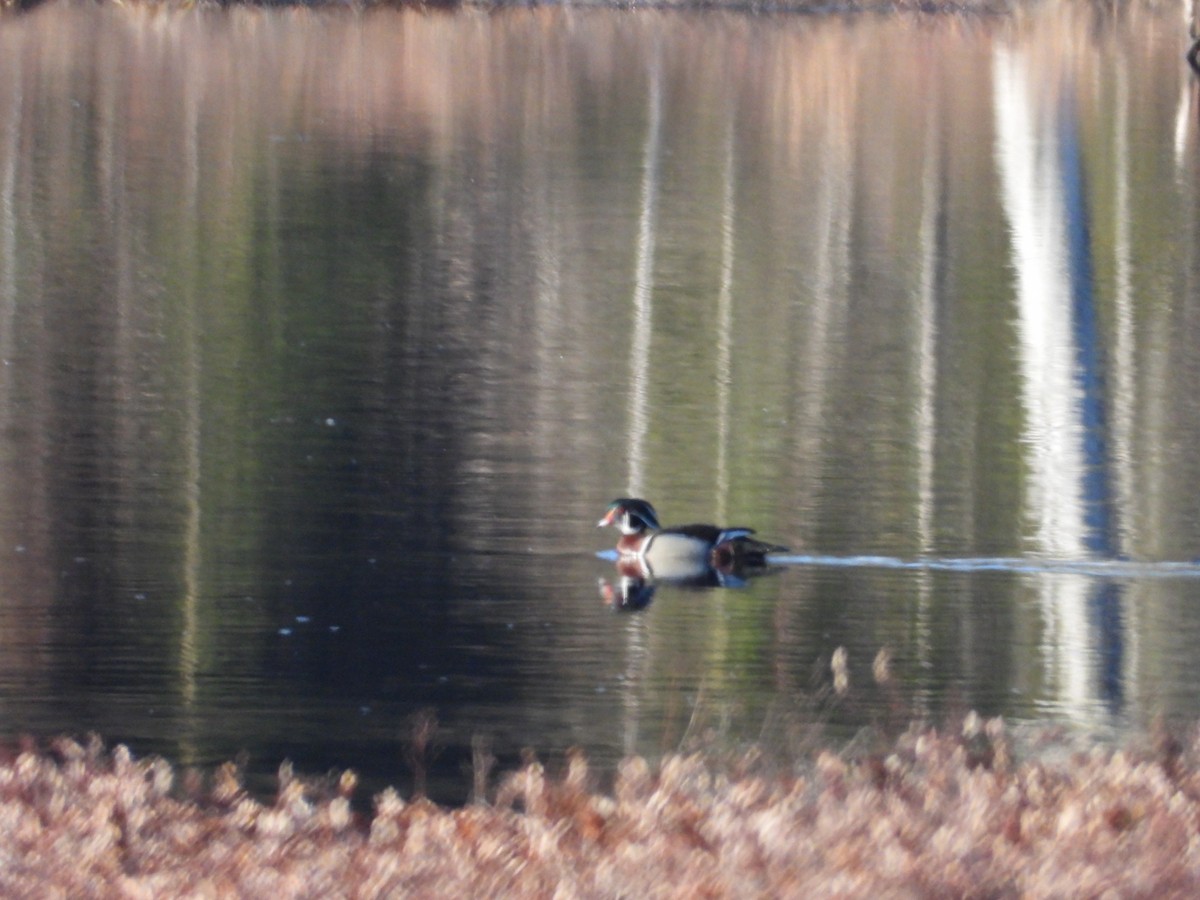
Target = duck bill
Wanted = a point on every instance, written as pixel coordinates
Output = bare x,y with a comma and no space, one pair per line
609,518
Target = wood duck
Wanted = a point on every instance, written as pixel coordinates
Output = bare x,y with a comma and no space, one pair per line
683,551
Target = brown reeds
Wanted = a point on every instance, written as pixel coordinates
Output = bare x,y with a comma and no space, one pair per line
935,814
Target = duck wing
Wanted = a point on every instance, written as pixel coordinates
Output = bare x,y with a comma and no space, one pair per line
710,534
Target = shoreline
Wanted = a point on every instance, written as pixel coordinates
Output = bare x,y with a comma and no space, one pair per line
738,7
934,813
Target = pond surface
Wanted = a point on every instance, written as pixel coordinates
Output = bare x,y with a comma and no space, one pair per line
326,338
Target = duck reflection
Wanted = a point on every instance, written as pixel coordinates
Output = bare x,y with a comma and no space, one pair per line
628,593
634,586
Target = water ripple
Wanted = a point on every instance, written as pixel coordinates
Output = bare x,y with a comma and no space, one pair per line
1094,568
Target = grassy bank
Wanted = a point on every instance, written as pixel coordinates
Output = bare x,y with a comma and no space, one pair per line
754,6
934,814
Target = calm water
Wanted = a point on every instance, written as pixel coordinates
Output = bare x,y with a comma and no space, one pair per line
326,338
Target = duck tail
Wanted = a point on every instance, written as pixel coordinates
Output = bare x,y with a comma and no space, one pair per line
735,548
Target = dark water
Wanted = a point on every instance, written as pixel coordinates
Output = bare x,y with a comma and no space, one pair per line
326,338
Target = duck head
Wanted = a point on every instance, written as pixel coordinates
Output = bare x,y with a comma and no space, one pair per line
630,516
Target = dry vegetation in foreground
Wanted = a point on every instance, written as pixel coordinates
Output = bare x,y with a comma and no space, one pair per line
747,6
936,814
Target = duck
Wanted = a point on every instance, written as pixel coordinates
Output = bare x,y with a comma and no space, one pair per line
681,551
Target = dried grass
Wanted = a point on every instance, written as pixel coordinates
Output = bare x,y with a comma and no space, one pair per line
936,814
